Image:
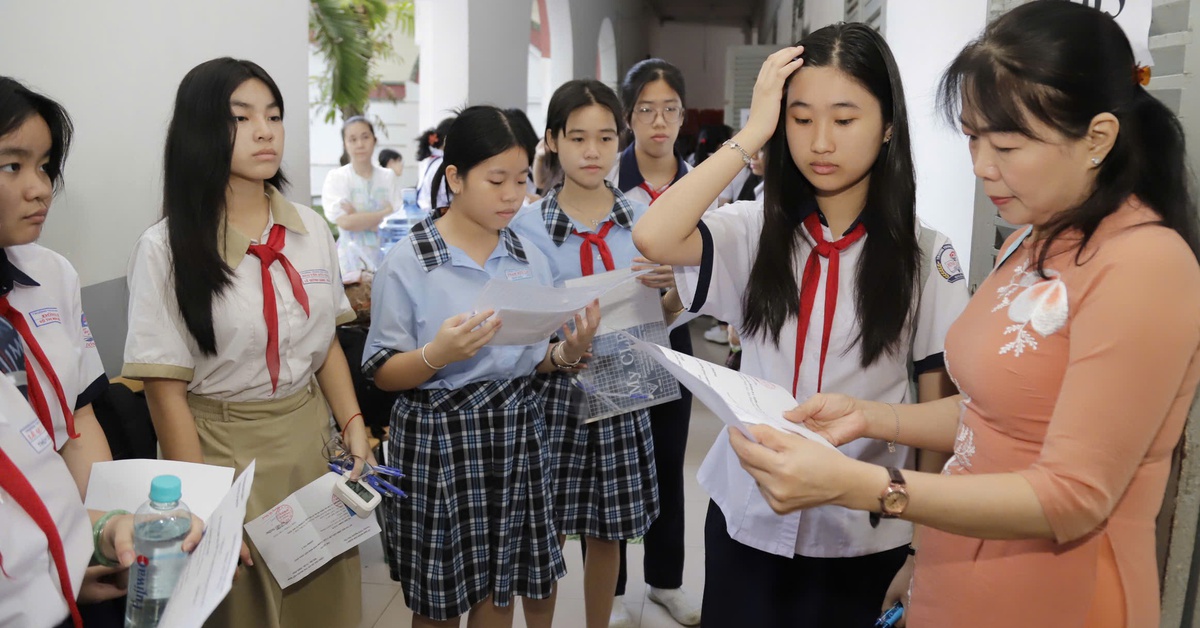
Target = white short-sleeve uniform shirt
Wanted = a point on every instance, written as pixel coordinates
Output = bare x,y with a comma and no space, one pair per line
716,287
44,287
358,250
31,593
159,344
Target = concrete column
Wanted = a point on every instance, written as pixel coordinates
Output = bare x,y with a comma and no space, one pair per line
472,52
945,181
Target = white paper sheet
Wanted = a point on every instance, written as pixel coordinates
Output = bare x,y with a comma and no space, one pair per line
125,484
532,313
619,378
308,529
208,576
738,399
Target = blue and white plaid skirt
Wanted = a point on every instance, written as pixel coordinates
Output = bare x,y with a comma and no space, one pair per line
604,478
478,518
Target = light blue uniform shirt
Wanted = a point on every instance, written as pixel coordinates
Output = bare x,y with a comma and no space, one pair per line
544,225
423,281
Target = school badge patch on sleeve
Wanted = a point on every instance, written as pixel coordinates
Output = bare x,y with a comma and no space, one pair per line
947,264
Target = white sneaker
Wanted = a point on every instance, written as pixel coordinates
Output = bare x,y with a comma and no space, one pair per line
620,617
682,607
717,335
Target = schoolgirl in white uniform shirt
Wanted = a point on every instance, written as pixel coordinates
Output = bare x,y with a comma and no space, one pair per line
477,529
47,538
39,289
358,196
855,315
429,161
233,302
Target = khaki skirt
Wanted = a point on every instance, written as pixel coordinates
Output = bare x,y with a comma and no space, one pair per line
286,437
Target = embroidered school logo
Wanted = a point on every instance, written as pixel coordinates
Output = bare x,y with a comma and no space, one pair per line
947,264
45,316
316,275
35,434
88,340
519,274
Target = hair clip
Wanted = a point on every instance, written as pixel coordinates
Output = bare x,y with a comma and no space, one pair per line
1141,74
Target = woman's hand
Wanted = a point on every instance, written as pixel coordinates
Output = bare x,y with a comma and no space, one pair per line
898,590
102,583
577,342
461,337
768,97
792,472
659,277
347,207
839,418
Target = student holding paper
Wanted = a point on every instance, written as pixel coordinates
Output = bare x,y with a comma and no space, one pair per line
233,301
48,537
605,483
823,279
477,529
1078,357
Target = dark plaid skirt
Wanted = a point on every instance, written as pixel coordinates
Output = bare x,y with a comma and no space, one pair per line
605,482
478,518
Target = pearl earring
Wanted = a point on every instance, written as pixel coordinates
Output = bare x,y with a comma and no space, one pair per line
1095,161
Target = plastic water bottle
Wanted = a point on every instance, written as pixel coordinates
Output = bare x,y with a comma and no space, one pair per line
159,528
397,226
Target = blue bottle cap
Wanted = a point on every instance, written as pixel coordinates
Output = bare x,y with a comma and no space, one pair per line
165,488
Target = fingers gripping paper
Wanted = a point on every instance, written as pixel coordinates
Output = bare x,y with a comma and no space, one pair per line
736,398
619,378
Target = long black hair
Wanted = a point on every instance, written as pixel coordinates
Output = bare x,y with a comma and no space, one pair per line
480,133
886,280
18,103
196,170
574,95
1062,64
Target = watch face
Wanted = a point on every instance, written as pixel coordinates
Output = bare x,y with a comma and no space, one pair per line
895,502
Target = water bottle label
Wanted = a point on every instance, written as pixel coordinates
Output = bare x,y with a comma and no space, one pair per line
154,576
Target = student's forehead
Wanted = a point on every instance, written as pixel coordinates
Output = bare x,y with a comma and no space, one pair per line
826,85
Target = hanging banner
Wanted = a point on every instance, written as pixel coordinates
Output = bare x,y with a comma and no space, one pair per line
1134,18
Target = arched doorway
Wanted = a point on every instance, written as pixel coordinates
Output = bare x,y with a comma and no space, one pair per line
606,55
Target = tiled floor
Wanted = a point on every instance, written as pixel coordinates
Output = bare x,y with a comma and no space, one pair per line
383,604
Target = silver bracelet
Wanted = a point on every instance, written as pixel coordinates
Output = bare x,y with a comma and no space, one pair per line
562,354
732,144
891,444
426,360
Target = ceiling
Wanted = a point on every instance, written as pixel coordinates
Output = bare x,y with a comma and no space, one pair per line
724,12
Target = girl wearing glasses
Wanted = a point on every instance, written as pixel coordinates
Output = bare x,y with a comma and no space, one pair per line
654,96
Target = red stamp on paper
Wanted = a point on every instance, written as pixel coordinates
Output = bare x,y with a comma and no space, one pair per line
283,513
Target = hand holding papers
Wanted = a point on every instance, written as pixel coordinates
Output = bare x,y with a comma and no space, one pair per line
736,398
620,378
532,313
308,529
208,575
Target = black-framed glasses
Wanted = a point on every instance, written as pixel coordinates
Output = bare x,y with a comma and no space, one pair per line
646,115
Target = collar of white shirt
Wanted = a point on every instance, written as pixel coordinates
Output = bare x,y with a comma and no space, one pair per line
10,275
237,243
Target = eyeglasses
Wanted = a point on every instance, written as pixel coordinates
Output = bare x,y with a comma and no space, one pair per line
341,461
647,115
